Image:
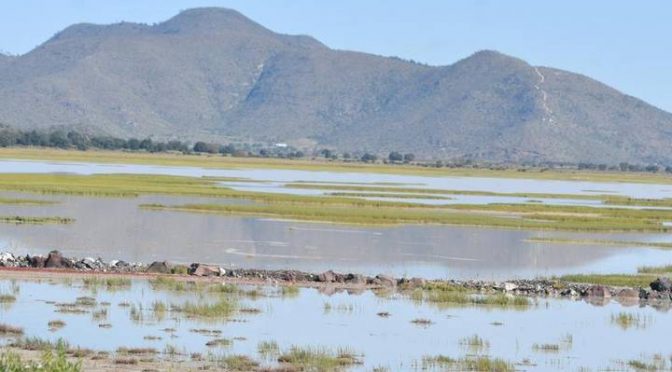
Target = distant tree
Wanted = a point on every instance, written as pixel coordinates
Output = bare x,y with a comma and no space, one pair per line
395,156
59,139
368,158
409,158
326,153
228,149
134,144
146,144
200,146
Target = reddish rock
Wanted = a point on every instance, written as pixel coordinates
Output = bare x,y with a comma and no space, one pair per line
55,260
386,280
598,291
204,270
37,261
158,267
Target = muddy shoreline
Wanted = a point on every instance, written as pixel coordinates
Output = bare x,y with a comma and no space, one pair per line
56,265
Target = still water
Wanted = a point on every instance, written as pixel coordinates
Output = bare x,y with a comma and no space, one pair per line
116,228
586,335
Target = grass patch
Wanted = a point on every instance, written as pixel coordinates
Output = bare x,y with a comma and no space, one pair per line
319,359
616,280
600,242
223,308
481,363
627,321
23,220
268,349
10,330
667,269
50,361
56,324
7,299
110,283
475,344
236,363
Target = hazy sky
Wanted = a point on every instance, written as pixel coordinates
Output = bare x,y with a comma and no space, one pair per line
626,44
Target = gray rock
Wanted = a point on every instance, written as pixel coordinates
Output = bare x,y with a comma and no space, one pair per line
508,286
661,285
327,277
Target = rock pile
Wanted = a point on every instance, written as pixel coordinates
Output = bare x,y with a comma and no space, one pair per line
660,289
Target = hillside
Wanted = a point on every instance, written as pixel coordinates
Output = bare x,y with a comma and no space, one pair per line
211,73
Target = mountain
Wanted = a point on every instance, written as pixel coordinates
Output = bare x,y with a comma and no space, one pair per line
211,73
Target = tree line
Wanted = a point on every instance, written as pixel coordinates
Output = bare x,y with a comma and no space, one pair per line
72,139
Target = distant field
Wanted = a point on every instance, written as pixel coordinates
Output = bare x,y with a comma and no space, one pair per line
217,161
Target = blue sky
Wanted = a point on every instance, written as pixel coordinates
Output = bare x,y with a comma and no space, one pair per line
626,44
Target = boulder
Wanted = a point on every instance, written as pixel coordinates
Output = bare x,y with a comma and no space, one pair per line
386,280
412,283
327,277
628,293
37,261
356,279
508,286
55,260
198,269
158,267
661,285
598,291
6,258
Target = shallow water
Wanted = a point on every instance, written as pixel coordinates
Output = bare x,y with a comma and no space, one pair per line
394,342
116,228
283,176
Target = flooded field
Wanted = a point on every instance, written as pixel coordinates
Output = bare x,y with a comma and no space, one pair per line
116,228
390,330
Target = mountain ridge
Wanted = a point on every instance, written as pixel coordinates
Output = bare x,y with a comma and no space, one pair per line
211,73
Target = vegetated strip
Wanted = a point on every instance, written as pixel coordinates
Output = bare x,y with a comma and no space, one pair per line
340,209
216,161
385,215
403,190
622,243
28,202
20,220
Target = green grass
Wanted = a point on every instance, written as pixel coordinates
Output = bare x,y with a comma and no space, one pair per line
52,360
109,283
667,269
346,210
7,299
6,329
27,202
222,308
24,220
268,349
424,193
475,344
447,295
628,320
616,280
600,242
319,359
389,195
481,363
235,363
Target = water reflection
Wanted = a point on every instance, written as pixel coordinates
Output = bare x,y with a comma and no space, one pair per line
116,228
393,342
